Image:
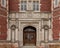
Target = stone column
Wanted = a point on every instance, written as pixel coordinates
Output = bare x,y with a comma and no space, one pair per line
46,38
13,30
16,35
46,35
42,38
50,35
13,35
9,34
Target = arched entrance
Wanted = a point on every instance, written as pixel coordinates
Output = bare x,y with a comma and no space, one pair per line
29,35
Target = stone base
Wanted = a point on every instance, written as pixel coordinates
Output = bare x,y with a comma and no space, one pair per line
8,45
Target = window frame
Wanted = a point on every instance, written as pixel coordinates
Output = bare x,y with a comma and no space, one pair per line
37,9
27,6
23,5
56,3
3,3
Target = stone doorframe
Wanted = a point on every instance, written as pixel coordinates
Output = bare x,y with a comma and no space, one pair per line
33,24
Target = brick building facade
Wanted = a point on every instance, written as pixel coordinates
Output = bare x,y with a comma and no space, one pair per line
30,22
3,19
56,24
30,16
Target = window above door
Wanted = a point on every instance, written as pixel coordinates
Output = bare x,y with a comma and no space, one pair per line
29,5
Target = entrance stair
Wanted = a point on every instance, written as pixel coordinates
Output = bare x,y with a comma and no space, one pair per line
29,47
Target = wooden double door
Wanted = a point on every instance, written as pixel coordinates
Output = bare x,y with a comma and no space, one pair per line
29,38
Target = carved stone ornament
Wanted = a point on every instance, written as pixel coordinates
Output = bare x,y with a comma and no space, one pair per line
46,27
13,27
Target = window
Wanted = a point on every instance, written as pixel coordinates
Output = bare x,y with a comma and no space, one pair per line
56,3
29,5
23,5
3,3
35,5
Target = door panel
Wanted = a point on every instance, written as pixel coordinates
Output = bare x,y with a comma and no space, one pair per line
29,38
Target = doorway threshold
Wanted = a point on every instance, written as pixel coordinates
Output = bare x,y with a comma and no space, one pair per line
29,47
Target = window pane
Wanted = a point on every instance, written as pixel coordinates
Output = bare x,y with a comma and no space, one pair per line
33,5
21,7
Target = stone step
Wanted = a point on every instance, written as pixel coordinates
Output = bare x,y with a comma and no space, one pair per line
29,47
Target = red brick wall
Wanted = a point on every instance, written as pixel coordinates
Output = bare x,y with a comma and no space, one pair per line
45,6
56,25
13,5
3,28
56,28
3,22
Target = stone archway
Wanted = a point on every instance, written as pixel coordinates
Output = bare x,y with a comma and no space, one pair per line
29,35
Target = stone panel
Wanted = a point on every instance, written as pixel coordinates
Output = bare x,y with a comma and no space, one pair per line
31,15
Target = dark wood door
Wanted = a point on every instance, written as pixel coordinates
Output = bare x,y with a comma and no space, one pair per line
29,38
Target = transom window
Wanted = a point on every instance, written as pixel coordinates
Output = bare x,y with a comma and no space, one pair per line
3,3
